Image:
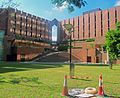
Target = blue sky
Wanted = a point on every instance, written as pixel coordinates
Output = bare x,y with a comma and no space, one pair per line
45,9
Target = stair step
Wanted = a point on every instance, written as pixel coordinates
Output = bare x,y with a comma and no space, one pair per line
56,57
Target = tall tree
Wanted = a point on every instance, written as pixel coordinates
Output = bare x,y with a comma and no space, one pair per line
70,4
112,43
7,3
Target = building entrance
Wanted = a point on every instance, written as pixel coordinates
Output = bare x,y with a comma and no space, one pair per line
2,45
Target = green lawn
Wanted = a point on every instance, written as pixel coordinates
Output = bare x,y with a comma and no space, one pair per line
18,80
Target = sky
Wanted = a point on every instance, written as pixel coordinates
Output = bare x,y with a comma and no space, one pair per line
45,9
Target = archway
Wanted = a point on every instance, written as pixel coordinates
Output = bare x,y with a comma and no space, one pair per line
54,29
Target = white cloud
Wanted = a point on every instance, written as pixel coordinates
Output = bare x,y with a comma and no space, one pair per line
54,38
48,13
117,3
64,5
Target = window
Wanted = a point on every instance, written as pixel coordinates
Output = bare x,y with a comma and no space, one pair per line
101,25
73,28
88,58
36,27
83,27
104,49
20,24
78,27
26,24
108,22
95,25
115,16
89,25
31,26
100,49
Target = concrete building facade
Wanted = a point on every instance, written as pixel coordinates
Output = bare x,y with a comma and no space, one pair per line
93,25
26,35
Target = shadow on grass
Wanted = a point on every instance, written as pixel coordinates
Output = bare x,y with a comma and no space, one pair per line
92,65
13,67
25,81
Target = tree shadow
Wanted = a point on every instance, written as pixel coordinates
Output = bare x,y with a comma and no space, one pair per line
92,65
25,81
13,67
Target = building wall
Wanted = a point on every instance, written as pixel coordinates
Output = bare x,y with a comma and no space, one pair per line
19,26
93,24
80,26
86,51
98,23
28,25
76,28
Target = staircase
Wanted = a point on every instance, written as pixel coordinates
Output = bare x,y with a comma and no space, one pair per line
59,56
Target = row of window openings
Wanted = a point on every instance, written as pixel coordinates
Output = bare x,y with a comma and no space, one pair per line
26,19
31,33
95,25
26,27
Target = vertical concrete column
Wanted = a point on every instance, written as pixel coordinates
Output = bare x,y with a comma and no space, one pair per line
112,18
105,21
76,28
80,27
118,13
86,25
92,25
98,24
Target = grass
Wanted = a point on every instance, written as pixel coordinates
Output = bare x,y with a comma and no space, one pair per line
19,80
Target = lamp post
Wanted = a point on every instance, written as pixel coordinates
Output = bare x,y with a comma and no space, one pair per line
69,28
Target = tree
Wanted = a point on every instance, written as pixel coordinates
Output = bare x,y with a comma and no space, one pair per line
69,28
70,4
7,3
112,43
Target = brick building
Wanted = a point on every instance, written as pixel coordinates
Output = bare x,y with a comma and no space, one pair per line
23,36
89,31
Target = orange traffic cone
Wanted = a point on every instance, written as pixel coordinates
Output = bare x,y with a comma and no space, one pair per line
65,88
100,91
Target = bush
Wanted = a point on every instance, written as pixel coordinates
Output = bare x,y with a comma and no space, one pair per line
90,40
63,47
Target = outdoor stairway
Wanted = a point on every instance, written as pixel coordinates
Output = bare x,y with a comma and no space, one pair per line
59,56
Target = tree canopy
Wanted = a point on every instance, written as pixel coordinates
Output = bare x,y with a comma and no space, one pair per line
112,43
8,3
70,4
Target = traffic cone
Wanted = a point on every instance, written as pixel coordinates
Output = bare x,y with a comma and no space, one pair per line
65,88
100,91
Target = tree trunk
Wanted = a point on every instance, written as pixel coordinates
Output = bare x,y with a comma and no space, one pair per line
110,64
72,69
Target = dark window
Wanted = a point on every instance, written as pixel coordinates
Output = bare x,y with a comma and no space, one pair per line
40,32
88,58
108,22
95,25
20,24
36,28
78,27
15,23
104,49
73,28
89,25
83,27
101,25
64,31
100,49
26,25
115,16
31,26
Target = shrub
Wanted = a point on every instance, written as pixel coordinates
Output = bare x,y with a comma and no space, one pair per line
63,47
